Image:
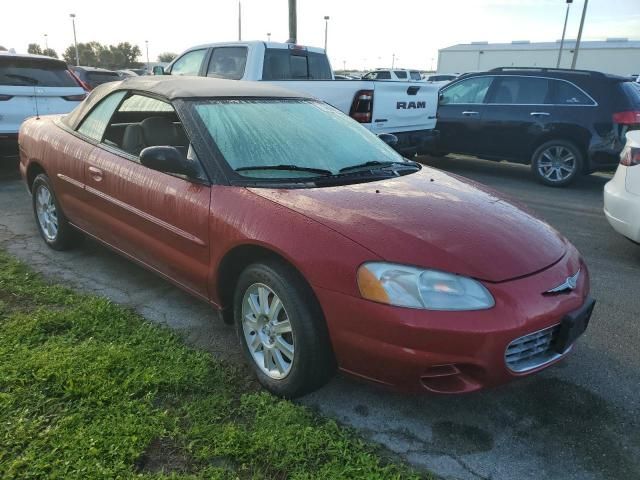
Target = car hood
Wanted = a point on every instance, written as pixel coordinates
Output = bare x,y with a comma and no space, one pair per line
435,220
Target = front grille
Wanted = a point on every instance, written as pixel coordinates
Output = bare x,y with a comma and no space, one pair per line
532,351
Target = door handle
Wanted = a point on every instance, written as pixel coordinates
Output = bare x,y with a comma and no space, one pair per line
95,173
539,114
469,114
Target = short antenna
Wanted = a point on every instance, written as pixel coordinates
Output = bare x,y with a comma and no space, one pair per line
35,98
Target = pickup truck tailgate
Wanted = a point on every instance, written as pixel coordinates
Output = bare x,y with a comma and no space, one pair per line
400,106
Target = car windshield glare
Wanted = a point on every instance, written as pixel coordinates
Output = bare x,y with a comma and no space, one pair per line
260,138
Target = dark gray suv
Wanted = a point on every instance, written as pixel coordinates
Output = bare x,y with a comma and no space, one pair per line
562,122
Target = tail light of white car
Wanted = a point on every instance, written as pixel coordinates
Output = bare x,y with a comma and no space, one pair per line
362,106
630,156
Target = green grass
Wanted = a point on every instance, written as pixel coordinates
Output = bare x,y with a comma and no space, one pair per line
90,390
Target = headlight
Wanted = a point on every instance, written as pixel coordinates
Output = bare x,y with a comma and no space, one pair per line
413,287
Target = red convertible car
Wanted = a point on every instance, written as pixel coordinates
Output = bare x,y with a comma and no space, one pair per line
323,245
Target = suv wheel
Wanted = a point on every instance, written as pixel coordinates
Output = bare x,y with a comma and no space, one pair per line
52,224
281,330
556,163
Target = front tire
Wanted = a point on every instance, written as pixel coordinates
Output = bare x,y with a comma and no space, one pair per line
53,226
557,163
281,329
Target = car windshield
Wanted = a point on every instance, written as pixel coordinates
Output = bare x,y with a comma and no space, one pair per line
291,139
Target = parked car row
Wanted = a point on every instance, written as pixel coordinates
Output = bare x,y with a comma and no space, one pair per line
201,180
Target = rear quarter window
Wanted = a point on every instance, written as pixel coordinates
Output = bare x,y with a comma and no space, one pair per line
565,93
20,71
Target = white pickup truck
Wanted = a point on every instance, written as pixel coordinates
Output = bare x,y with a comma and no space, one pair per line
405,109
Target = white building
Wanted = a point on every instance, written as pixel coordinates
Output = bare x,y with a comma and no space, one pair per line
620,56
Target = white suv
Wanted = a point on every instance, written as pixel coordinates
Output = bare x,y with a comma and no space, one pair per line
32,85
395,75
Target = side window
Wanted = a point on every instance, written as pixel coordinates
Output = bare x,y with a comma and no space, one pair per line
227,62
383,76
415,76
143,122
521,91
469,91
400,74
189,63
567,94
95,123
369,76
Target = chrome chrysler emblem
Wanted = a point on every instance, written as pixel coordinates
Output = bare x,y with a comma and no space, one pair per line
569,284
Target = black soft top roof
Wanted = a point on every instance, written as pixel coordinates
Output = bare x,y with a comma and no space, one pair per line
175,87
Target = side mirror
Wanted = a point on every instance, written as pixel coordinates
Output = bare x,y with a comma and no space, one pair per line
388,138
158,70
166,159
441,99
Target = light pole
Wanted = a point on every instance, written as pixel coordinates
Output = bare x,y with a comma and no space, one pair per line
577,49
239,20
326,27
75,41
46,42
268,36
146,42
344,65
293,22
564,30
393,60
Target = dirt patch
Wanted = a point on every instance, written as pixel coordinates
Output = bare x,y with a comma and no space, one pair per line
164,455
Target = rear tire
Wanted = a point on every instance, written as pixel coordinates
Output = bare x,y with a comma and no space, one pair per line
281,329
557,163
52,224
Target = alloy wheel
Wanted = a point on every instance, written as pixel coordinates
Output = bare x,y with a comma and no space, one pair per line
47,213
557,163
267,331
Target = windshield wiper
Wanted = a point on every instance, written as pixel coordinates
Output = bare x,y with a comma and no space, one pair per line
297,168
377,164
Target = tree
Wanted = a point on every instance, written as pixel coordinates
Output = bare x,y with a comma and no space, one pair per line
50,52
2,49
94,54
34,48
166,57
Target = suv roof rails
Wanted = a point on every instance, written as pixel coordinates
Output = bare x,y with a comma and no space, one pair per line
551,70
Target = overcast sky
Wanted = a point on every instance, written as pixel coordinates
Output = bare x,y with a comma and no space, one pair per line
362,33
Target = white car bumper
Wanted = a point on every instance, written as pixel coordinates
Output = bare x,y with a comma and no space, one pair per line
621,207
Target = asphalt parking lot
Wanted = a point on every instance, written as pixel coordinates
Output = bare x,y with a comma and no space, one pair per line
577,420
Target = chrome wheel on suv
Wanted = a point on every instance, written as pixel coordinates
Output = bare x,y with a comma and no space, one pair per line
556,163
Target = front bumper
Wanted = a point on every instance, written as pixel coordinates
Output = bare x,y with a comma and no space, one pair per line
449,352
418,141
